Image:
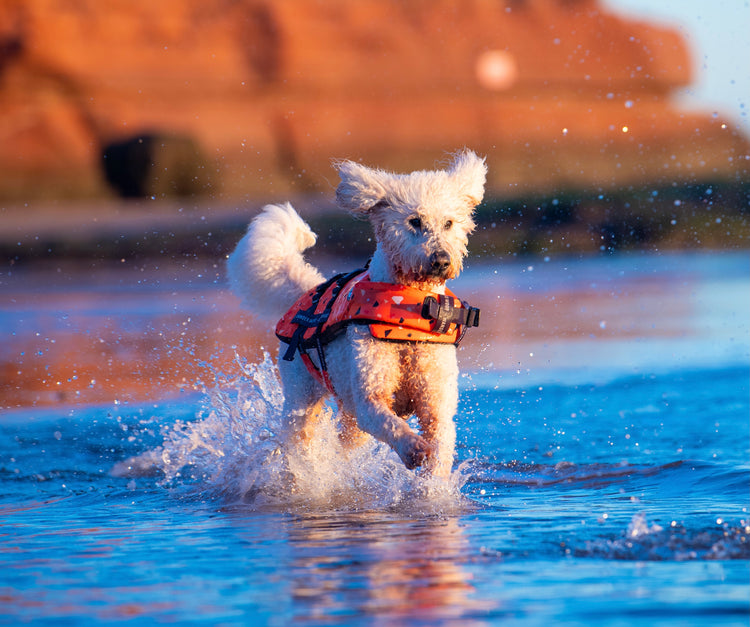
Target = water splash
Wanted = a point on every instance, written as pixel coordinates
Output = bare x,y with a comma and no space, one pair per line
234,451
642,541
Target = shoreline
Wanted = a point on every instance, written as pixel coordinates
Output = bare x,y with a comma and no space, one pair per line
673,219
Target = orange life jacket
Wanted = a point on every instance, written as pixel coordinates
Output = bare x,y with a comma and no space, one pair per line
393,312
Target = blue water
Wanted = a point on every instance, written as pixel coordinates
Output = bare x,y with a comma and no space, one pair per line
603,480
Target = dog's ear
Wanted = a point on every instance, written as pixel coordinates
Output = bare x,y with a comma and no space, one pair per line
361,188
469,171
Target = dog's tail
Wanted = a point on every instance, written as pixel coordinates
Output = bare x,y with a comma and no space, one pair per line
267,269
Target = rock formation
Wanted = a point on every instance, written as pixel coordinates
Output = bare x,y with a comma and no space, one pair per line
559,94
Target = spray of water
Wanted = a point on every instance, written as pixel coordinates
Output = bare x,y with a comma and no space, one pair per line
642,541
233,451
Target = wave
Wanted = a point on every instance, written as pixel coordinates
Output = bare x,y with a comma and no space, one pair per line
515,473
644,542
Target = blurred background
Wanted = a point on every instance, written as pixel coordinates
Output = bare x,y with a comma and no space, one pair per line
138,138
607,124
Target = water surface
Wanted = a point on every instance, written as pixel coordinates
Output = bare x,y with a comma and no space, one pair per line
603,472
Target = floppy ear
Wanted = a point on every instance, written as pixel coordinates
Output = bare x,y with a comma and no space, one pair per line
361,188
469,172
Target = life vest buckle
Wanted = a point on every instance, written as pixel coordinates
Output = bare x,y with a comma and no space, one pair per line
472,316
444,311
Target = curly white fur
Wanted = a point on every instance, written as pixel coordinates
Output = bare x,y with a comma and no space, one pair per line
421,222
267,269
415,215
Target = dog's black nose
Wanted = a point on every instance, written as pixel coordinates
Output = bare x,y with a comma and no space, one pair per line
440,261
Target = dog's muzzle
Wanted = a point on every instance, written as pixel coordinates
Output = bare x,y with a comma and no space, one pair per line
440,263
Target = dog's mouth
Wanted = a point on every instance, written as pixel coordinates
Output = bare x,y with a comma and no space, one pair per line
436,271
439,274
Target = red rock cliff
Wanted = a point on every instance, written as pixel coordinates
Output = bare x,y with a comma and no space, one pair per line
557,93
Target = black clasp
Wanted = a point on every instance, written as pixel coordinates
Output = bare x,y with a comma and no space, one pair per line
443,309
472,315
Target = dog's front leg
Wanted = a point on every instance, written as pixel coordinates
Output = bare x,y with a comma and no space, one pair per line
375,372
433,389
376,417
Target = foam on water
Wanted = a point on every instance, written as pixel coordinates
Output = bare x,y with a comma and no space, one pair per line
642,541
233,451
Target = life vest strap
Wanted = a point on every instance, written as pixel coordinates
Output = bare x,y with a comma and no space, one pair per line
306,319
321,374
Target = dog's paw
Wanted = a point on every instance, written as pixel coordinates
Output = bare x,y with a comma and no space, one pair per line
416,452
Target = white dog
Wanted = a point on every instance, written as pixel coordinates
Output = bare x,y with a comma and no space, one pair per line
382,340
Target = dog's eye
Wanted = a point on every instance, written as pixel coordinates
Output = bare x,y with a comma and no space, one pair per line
448,224
415,223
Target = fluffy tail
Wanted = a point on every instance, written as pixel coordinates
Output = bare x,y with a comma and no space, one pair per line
267,269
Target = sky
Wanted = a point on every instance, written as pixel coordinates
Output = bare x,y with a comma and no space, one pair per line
718,34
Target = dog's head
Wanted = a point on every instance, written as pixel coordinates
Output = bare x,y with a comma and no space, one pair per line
421,220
